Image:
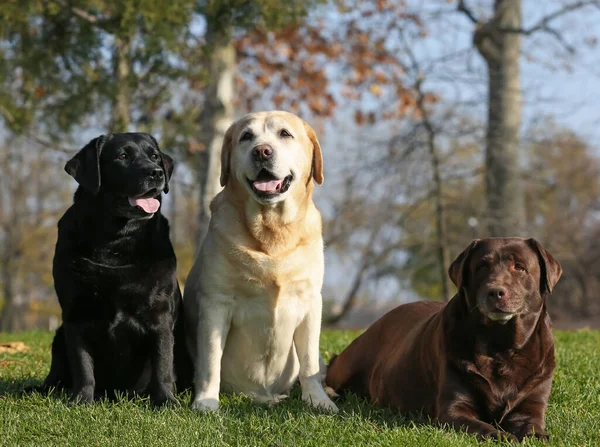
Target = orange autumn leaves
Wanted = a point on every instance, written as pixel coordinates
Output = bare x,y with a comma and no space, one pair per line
320,65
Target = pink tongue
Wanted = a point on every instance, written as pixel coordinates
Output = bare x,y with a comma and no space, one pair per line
268,186
148,205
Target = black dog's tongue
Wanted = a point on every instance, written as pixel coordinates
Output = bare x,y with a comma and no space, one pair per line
149,205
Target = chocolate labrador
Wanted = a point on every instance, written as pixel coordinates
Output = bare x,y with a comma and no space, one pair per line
483,363
114,274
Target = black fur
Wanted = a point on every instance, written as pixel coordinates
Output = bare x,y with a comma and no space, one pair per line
114,274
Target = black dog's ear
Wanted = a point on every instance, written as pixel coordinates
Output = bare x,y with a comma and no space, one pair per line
84,167
550,269
167,164
457,268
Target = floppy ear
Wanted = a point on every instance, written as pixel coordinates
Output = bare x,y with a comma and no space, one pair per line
317,161
84,167
226,149
167,164
550,269
457,268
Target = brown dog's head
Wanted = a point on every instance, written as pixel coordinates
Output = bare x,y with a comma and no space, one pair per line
272,154
505,277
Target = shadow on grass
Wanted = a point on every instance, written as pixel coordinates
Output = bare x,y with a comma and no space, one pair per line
13,387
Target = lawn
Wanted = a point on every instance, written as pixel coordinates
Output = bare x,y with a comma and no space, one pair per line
573,418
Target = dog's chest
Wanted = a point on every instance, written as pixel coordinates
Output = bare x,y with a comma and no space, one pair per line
276,280
271,298
503,381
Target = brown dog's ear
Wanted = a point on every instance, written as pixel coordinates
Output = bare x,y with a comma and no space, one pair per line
317,162
226,149
550,269
457,268
84,167
167,164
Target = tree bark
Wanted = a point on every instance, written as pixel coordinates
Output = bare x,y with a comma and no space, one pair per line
121,119
440,213
438,189
9,315
216,117
501,50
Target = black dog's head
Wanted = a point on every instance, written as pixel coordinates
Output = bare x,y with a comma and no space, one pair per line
502,278
126,167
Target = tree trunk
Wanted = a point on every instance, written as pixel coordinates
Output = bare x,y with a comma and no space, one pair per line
501,49
438,188
120,120
216,117
9,315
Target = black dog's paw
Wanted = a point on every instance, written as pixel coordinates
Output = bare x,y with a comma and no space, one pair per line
163,397
40,389
85,396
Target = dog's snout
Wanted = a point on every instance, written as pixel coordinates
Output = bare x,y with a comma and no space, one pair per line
158,174
498,294
262,152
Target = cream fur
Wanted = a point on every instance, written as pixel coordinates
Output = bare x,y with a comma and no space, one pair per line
253,298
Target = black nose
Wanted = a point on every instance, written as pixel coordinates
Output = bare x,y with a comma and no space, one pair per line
158,174
262,152
498,293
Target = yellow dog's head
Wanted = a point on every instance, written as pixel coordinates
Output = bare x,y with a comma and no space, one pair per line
272,155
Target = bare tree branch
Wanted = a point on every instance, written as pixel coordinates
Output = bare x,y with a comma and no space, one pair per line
462,7
566,45
542,24
27,133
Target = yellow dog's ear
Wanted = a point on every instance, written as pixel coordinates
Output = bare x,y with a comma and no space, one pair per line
226,155
317,161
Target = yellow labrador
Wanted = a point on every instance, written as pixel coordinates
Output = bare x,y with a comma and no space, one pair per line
253,298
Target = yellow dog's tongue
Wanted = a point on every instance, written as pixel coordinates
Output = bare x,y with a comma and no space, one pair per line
268,185
148,205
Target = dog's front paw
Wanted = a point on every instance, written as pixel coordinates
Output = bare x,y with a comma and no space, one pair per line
534,432
83,396
205,404
498,435
163,397
321,401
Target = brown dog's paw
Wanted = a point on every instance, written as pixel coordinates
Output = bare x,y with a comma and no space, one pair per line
539,436
331,392
498,435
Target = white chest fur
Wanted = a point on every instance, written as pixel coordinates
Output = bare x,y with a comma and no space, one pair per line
271,298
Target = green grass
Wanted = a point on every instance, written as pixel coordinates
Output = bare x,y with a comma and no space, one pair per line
573,418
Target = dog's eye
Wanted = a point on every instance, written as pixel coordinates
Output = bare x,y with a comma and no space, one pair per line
285,134
122,156
246,136
519,267
482,267
154,156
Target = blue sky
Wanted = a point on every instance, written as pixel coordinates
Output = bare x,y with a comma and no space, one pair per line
554,82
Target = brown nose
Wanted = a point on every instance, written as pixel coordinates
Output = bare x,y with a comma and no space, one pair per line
498,294
262,152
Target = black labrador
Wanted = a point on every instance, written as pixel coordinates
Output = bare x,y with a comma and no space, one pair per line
114,274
